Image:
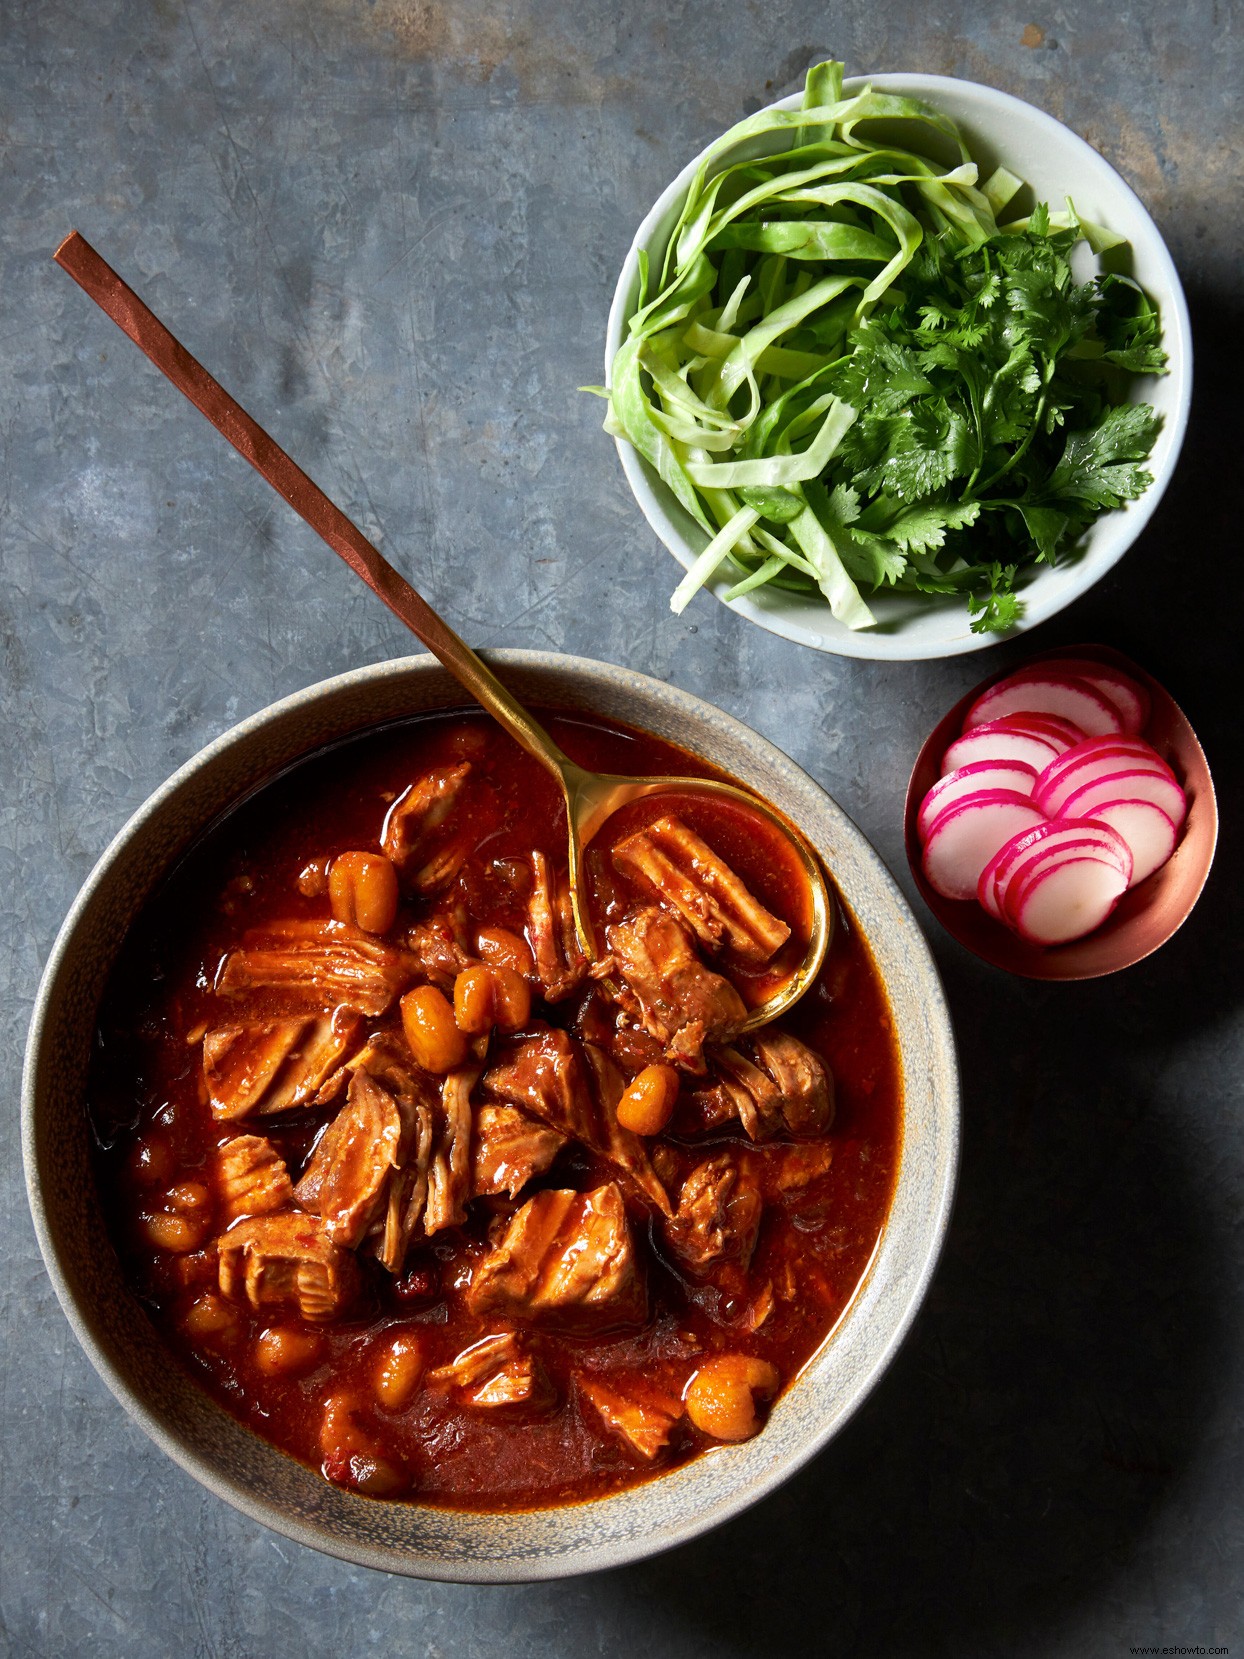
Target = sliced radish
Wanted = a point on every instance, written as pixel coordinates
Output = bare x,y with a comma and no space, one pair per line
1128,695
963,838
1050,692
1065,899
1052,794
1000,740
1127,786
1092,747
971,780
1146,829
1064,734
1024,851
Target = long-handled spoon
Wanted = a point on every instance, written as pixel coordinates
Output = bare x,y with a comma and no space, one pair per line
591,797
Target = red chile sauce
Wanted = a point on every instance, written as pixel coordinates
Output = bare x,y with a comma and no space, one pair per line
153,1129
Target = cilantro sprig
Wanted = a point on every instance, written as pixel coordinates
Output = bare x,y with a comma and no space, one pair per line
855,379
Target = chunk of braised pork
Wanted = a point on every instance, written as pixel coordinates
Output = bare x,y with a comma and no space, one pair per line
560,965
287,1258
439,947
718,1215
497,1373
431,1183
687,874
575,1089
274,1065
627,1151
510,1147
793,1094
449,1169
678,1000
252,1177
309,967
411,829
640,1412
804,1081
565,1258
346,1179
544,1074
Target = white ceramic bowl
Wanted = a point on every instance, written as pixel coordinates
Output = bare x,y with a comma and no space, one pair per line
999,129
408,1537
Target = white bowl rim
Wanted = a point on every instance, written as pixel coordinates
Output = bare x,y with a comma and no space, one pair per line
915,1277
822,632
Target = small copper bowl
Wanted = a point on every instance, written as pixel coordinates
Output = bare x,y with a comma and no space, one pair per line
1144,918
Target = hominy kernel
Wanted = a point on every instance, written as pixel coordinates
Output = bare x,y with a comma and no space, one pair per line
720,1398
362,890
285,1351
173,1232
428,1021
648,1102
502,949
399,1370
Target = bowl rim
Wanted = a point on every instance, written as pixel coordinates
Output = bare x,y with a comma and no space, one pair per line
613,1552
876,645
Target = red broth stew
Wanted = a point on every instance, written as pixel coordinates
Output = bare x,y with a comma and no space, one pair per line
430,1205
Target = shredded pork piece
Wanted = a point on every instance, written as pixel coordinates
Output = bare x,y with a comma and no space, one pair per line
346,1179
412,823
275,1065
718,1215
312,967
439,950
287,1258
804,1081
510,1148
546,1075
705,892
560,964
252,1176
792,1095
679,1001
497,1373
449,1171
639,1413
627,1151
566,1258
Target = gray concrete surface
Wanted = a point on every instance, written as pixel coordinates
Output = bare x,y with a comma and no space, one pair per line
391,228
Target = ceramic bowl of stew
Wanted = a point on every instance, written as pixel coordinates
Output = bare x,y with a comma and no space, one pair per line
207,1407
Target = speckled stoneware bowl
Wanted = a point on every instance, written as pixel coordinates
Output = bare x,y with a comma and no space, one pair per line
264,1482
1055,163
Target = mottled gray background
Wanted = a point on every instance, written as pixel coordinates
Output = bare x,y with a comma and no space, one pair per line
392,229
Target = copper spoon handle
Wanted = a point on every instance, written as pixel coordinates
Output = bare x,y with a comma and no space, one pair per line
113,295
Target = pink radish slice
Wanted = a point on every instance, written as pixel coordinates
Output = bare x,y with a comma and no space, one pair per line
1064,734
1053,693
1114,851
970,780
1127,786
1052,795
1024,851
1128,695
1131,699
1064,899
964,837
999,740
1147,830
1092,747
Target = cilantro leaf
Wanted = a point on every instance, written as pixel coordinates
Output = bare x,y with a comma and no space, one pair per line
1000,608
1100,465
